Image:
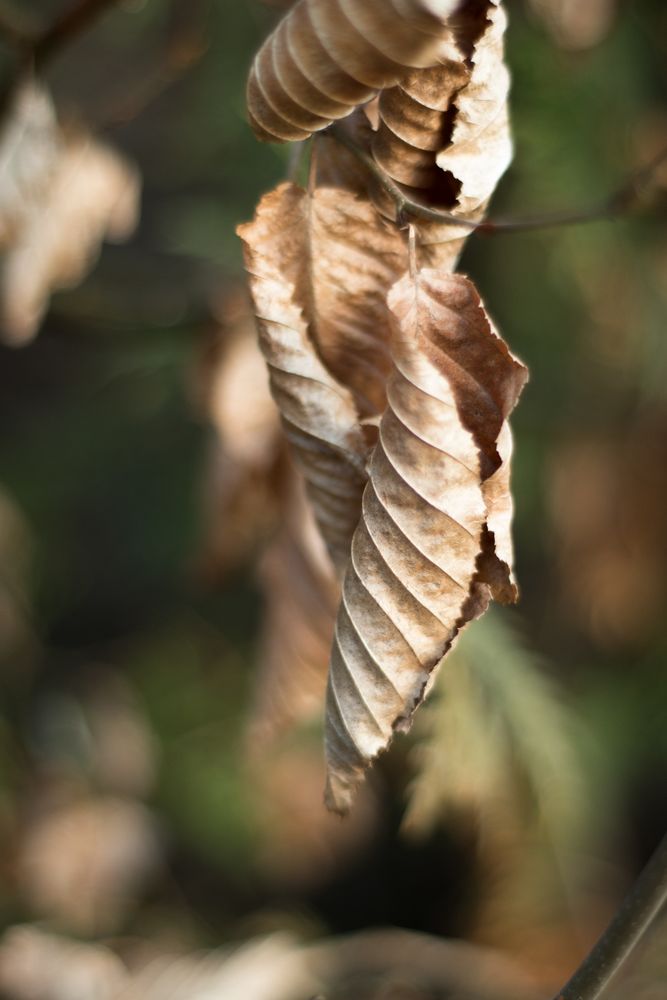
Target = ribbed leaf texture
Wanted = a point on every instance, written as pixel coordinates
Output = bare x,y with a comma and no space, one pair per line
425,556
389,376
328,56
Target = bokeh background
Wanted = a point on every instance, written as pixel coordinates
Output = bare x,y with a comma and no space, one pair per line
143,807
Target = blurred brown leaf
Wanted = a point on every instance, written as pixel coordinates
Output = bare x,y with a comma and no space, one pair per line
302,845
84,863
576,25
35,965
245,472
606,498
92,194
300,593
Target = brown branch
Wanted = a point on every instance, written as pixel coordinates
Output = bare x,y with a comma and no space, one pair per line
618,203
639,908
16,30
65,28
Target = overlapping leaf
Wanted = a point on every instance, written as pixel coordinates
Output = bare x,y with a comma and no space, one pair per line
328,56
429,545
319,267
432,547
444,132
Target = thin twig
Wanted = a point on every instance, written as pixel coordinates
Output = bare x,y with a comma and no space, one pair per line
180,57
16,30
638,909
65,28
618,203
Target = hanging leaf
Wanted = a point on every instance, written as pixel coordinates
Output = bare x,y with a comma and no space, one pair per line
93,194
426,558
320,264
326,57
443,134
480,149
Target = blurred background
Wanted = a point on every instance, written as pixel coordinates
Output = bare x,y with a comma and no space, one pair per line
165,607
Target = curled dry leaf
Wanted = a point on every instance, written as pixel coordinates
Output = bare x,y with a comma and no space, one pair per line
432,547
328,56
93,194
319,265
479,150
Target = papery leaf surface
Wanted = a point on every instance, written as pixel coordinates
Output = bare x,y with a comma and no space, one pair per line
433,544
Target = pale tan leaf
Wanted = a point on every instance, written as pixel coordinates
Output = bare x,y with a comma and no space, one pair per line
35,965
93,195
270,968
424,560
576,25
320,264
326,57
83,863
30,145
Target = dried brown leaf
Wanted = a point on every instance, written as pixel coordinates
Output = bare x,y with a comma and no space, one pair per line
93,194
444,132
479,149
320,264
326,57
433,546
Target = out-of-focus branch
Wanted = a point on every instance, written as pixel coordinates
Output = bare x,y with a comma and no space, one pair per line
37,47
66,27
638,909
16,29
185,44
34,48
